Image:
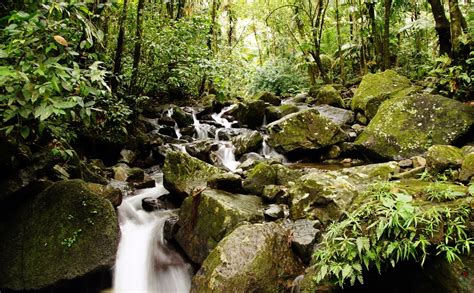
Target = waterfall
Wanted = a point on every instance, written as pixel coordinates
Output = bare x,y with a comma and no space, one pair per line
144,262
222,121
225,155
201,132
176,128
270,153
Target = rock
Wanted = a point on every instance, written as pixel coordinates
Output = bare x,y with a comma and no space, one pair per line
407,163
358,128
454,277
150,204
467,149
418,161
258,177
362,119
267,97
327,95
114,195
304,235
327,195
275,193
201,148
184,175
408,126
200,230
181,117
250,113
147,182
378,87
122,172
306,130
253,258
467,168
229,182
127,156
249,141
274,212
297,99
62,233
274,113
171,227
249,160
339,116
442,157
333,152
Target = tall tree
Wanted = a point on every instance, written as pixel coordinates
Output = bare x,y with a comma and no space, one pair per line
386,34
138,44
442,27
457,21
339,42
119,47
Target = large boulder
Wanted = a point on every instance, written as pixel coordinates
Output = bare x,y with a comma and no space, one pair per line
442,157
467,168
253,258
378,87
250,113
407,126
267,97
327,95
306,130
274,113
60,234
248,141
339,116
327,195
184,175
264,174
207,217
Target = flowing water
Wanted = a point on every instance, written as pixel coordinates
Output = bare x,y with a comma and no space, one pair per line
201,132
225,155
223,121
144,261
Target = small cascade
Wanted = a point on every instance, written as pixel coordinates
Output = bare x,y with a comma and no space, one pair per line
264,123
222,121
201,132
144,262
176,128
270,153
225,155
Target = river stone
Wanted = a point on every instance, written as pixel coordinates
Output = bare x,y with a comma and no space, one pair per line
274,113
327,195
339,116
249,141
408,126
62,233
184,175
206,218
114,195
304,234
442,157
250,113
181,117
229,182
274,211
378,87
327,95
267,97
253,258
201,148
306,130
467,168
275,193
258,177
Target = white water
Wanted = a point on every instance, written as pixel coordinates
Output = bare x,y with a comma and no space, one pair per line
270,153
225,155
201,132
222,121
144,262
176,128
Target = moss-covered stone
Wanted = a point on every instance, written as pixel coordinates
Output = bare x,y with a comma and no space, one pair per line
209,216
62,233
378,87
181,117
183,174
248,141
442,157
306,130
253,258
250,113
339,116
408,126
274,113
258,177
114,195
467,168
267,97
325,196
327,95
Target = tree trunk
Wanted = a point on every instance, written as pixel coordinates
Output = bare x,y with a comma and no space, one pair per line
373,27
339,43
181,5
456,25
230,32
211,41
442,27
138,44
119,49
386,35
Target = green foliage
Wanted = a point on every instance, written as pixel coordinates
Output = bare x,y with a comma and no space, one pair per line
279,76
49,80
389,227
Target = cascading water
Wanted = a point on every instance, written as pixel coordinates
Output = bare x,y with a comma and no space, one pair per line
176,128
269,153
222,121
144,262
201,132
225,155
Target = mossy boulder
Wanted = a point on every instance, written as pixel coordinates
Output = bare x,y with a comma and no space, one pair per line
339,116
62,233
274,113
253,258
183,175
327,195
207,217
248,141
407,126
265,173
181,117
442,157
327,95
378,87
250,113
267,97
306,130
467,168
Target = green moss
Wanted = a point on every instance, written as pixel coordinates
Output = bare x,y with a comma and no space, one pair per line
258,177
328,95
442,157
62,233
467,168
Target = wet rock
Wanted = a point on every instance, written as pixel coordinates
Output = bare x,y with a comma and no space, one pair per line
201,230
326,195
378,87
408,126
249,141
150,204
451,277
114,195
274,212
253,258
258,177
304,235
181,117
201,149
171,227
467,168
124,173
274,113
66,222
127,156
229,182
333,152
327,95
443,157
249,160
306,130
267,97
147,182
183,175
275,193
299,98
339,116
250,114
407,163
